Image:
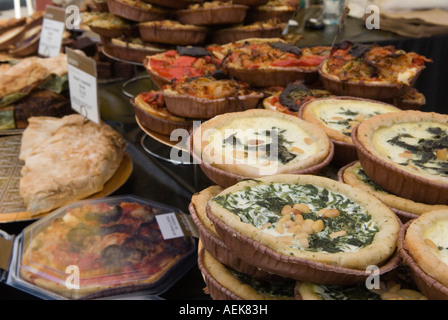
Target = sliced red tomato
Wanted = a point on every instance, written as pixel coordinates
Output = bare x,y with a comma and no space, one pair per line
183,61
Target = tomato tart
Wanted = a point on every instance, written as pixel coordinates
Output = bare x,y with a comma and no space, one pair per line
206,97
371,71
183,63
270,62
151,112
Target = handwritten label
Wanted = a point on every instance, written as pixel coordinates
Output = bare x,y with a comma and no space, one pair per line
83,85
53,27
176,225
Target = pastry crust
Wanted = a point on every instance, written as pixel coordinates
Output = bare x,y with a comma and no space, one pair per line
310,147
212,13
376,133
66,159
353,175
380,249
425,241
338,115
223,284
172,32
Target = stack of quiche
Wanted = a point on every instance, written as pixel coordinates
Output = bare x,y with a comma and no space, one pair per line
131,29
276,227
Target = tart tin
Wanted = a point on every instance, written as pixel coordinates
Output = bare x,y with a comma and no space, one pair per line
374,91
429,286
398,181
403,215
292,267
119,288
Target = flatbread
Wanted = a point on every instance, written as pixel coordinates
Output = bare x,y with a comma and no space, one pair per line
66,159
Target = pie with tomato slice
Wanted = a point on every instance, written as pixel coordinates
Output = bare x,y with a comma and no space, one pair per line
270,62
185,62
151,112
116,245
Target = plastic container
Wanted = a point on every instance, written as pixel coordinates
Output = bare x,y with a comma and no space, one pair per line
109,248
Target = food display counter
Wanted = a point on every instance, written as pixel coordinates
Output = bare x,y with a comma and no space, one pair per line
156,177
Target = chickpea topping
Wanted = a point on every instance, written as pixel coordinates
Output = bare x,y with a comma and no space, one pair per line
301,207
329,213
287,209
308,141
297,150
338,234
431,244
442,154
406,154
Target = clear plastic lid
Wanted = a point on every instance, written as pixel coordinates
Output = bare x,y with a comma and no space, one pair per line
102,248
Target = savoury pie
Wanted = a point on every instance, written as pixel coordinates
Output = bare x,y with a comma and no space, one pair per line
260,142
305,226
426,242
354,175
66,159
224,283
410,146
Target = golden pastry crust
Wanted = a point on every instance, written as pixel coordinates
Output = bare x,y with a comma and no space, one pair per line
399,135
355,176
384,225
66,159
251,159
200,200
338,115
426,244
220,278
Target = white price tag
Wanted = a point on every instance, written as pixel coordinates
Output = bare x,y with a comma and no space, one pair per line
53,27
169,226
83,85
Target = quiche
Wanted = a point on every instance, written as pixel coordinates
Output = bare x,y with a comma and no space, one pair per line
269,62
337,116
179,64
282,10
108,24
210,240
172,32
271,28
425,241
406,153
116,244
174,4
306,227
151,112
224,283
132,49
354,175
259,142
212,13
206,97
66,159
371,71
137,10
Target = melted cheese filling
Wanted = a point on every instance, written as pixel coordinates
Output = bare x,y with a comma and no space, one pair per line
261,206
254,142
437,234
343,115
414,146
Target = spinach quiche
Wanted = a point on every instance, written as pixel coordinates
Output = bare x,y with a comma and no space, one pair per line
224,283
210,240
406,153
259,142
306,227
354,175
425,241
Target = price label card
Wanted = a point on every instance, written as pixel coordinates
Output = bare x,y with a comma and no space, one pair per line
83,86
53,27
